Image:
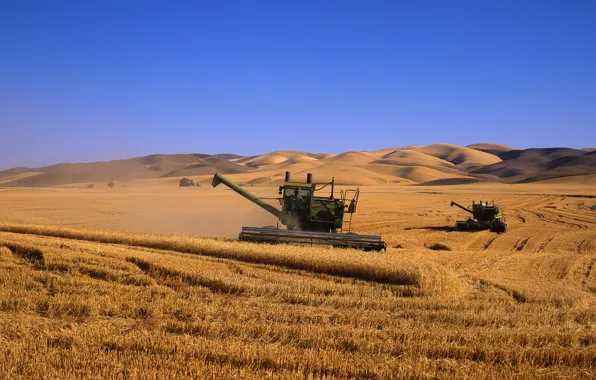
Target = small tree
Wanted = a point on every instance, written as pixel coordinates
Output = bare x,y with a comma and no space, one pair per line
197,184
110,184
184,182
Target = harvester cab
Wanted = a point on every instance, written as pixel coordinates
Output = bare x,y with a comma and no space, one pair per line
484,216
302,210
309,218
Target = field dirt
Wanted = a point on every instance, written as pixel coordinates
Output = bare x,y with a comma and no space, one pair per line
79,297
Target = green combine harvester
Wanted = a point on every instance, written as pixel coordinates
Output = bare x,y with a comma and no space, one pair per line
484,217
308,218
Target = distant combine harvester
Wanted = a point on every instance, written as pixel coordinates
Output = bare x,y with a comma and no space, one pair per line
484,217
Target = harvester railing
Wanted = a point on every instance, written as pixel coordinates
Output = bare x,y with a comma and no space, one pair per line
351,196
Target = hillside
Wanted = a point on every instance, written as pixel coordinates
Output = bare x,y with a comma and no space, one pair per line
209,166
459,155
495,149
531,165
446,163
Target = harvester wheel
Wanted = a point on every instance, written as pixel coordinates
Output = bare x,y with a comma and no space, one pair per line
499,227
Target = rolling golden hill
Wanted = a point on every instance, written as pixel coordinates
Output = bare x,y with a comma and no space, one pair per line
445,163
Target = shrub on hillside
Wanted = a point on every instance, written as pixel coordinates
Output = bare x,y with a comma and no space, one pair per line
184,182
91,186
439,247
110,184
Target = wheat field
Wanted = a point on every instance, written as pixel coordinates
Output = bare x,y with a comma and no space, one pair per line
92,286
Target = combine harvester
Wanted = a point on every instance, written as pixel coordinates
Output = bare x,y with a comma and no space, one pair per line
309,219
484,217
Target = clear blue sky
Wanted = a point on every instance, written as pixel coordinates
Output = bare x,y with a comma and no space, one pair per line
93,80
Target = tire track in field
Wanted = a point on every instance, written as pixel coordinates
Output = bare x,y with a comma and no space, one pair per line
489,242
542,217
574,218
175,279
544,243
571,215
580,246
516,295
587,277
521,243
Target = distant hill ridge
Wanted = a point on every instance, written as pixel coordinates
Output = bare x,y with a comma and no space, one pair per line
436,164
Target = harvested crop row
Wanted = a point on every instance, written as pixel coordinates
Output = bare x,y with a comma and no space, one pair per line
96,308
389,269
29,254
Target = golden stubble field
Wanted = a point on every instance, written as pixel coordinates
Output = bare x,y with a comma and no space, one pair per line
81,298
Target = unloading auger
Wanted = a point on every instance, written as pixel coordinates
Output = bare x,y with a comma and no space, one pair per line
308,218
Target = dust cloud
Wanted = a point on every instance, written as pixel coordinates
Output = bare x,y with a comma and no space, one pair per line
228,221
203,212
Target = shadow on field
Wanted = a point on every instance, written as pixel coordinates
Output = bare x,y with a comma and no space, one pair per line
433,228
